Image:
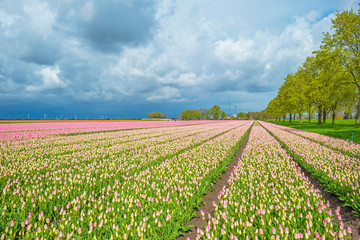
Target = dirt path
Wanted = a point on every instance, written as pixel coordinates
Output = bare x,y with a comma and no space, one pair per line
212,194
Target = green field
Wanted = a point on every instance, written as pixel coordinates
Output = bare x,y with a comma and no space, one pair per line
344,129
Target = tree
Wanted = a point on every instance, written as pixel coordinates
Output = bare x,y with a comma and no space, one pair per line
191,114
185,115
305,78
328,81
223,115
241,115
156,115
292,97
276,108
346,38
332,81
205,113
215,112
298,99
340,92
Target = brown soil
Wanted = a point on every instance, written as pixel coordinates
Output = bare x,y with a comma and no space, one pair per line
212,194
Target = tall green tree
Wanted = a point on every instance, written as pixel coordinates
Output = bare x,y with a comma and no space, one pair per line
241,115
191,114
304,78
298,98
276,108
346,38
205,113
156,115
340,92
215,112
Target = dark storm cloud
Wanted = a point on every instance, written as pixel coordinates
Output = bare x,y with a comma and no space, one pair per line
40,32
114,23
26,33
107,25
50,47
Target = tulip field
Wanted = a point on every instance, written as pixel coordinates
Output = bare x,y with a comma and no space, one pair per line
40,130
269,198
135,184
338,172
145,180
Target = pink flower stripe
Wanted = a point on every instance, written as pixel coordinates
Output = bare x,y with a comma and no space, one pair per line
137,188
140,151
269,198
338,172
40,130
65,145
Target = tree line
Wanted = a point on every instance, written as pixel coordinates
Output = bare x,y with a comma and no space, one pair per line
329,80
214,113
156,115
253,115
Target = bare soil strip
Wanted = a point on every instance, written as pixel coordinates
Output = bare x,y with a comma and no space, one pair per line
211,196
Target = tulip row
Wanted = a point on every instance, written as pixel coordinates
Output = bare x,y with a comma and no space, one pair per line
148,192
339,173
346,147
268,197
42,148
10,132
26,167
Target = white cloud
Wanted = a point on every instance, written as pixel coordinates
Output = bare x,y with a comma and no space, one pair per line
41,18
6,19
267,66
88,11
181,80
50,80
231,51
188,65
165,93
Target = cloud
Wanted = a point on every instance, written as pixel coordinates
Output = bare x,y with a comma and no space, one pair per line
50,80
109,25
87,12
28,32
233,52
141,53
165,93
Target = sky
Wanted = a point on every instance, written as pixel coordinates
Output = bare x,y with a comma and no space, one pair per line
125,58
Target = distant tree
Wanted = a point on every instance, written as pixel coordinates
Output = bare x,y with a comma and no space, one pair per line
241,115
223,115
205,113
191,114
185,115
215,112
196,114
156,115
